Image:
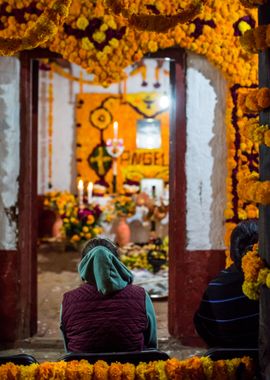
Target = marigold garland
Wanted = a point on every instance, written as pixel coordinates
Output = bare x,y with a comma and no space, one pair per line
45,28
256,39
255,100
155,15
192,368
257,133
255,273
252,190
60,71
252,3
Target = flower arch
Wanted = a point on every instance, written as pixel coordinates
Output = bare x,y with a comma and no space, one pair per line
104,43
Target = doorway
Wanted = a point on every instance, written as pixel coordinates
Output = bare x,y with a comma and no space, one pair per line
29,85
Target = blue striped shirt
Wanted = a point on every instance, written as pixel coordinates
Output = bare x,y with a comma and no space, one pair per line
226,317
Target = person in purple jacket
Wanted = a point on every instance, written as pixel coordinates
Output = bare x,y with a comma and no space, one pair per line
107,313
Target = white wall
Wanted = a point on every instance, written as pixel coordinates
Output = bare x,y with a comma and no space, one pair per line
206,155
9,150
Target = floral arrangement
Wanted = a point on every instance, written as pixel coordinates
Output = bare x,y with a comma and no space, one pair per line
256,39
252,190
123,205
257,133
255,100
192,368
255,273
37,33
62,202
82,224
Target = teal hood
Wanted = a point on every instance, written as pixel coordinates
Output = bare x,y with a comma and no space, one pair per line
101,268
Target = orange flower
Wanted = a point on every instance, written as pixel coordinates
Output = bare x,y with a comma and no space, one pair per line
263,97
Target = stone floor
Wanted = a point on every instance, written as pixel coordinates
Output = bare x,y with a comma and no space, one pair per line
57,273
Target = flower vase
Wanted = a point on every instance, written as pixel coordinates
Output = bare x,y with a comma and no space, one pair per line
57,227
122,232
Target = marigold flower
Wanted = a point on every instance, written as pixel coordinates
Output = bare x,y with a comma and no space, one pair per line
87,44
263,97
99,36
82,23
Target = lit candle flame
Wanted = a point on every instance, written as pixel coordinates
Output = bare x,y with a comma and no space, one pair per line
115,129
80,184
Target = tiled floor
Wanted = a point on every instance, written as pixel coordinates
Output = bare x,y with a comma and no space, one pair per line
57,273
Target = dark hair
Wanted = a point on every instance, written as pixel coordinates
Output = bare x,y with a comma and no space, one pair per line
243,237
104,242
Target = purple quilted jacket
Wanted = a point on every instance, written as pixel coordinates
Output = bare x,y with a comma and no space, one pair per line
92,322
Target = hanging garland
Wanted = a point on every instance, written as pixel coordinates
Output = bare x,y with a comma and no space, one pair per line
45,28
60,71
192,368
155,16
255,272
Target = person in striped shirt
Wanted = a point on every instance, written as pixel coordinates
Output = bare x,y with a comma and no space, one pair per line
226,317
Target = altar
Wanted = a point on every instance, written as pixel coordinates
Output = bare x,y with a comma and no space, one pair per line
138,223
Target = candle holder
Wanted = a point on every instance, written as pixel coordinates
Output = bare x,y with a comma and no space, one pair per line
115,148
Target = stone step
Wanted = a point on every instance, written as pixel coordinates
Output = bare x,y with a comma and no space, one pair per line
52,349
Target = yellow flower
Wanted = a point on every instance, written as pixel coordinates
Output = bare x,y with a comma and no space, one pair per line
88,235
268,280
99,37
111,23
75,238
114,42
82,23
87,44
85,229
152,46
90,219
103,28
243,26
228,214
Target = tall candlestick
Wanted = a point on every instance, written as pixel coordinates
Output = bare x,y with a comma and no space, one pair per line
89,192
114,179
80,192
115,129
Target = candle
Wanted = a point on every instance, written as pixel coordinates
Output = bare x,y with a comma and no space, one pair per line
114,168
80,192
89,192
115,129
